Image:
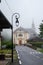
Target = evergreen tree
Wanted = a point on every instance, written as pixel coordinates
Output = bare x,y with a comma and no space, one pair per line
41,30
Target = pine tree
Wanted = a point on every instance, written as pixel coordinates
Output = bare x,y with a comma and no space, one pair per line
41,30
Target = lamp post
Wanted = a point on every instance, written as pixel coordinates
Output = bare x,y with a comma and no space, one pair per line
17,24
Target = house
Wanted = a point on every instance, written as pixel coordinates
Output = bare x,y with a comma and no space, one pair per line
4,24
21,35
0,40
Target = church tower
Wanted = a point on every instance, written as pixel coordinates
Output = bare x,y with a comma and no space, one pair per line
33,25
33,29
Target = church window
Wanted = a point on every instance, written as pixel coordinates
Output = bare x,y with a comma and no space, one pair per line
20,35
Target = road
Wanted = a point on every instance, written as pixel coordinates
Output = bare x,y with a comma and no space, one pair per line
29,56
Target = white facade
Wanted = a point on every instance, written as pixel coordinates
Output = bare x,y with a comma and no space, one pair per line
21,35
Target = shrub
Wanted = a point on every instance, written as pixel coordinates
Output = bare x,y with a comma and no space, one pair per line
37,44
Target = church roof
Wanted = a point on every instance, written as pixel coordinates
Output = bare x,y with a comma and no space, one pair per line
29,30
20,29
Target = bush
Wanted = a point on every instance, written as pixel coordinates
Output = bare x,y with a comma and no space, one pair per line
8,44
37,44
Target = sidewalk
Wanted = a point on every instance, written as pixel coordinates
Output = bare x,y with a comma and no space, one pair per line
3,62
14,63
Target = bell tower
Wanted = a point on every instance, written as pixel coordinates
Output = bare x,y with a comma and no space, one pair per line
34,29
33,25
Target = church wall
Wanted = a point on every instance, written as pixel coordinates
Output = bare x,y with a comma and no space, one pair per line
23,38
16,38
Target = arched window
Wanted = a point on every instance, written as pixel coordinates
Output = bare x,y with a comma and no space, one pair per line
20,35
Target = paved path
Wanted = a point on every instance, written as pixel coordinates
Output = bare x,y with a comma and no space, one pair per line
14,63
29,56
3,62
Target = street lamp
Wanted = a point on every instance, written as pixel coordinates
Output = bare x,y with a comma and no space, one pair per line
17,16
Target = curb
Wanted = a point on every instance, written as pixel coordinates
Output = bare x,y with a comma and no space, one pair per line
19,58
9,62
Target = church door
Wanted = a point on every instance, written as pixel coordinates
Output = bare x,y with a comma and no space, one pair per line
20,42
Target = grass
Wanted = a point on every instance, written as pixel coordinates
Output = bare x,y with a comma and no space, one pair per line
6,51
37,44
40,49
15,57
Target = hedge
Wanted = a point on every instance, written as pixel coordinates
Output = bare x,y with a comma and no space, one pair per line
37,44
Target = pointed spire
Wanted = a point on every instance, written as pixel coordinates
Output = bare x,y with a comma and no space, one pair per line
33,25
33,28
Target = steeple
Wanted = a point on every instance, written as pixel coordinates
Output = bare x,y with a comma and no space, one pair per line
33,25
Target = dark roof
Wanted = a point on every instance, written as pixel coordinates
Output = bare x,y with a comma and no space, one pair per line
4,23
20,29
36,39
31,32
25,30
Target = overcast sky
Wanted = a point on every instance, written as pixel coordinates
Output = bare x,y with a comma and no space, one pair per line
29,10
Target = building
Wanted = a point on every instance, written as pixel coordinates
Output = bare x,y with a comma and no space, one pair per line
21,35
4,24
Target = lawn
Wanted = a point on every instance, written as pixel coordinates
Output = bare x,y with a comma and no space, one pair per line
8,53
40,49
37,44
